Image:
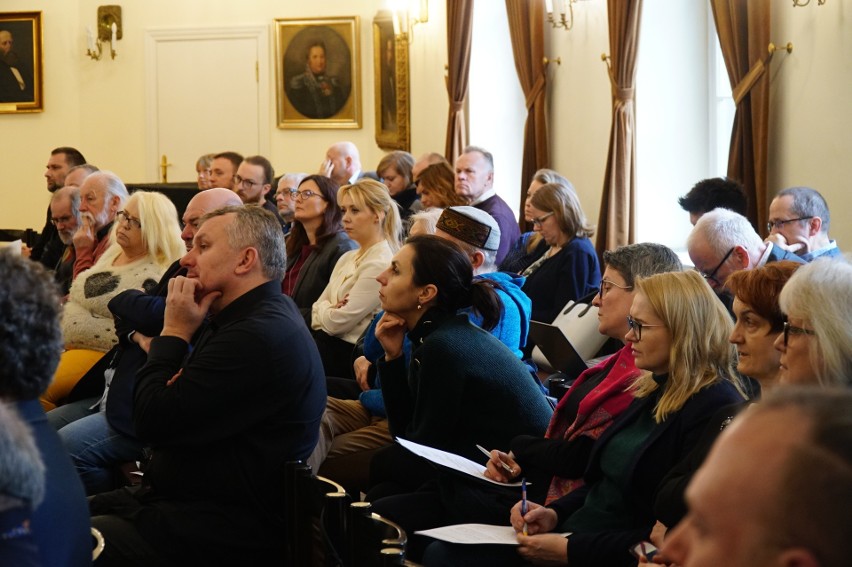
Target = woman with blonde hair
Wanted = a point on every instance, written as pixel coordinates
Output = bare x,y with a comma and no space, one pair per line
436,187
569,268
679,336
530,246
145,241
351,298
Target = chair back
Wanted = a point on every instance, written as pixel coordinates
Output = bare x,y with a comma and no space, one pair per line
374,541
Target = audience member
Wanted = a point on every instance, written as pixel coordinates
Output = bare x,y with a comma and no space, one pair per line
96,425
349,301
65,216
102,194
424,222
723,242
283,198
48,248
531,246
21,490
763,498
212,492
555,464
679,334
223,169
394,170
315,244
30,345
466,387
815,344
436,187
569,269
425,161
253,182
714,193
202,169
343,164
799,222
475,182
147,240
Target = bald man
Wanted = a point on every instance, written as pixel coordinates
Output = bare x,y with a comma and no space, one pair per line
342,164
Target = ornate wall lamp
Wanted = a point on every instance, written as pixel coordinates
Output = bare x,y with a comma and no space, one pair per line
565,9
109,30
406,15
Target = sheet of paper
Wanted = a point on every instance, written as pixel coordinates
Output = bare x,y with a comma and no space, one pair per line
476,534
451,460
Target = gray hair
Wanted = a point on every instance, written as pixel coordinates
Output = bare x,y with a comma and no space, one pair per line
87,167
114,185
73,194
722,230
821,294
429,219
21,467
489,157
642,260
545,176
808,202
255,227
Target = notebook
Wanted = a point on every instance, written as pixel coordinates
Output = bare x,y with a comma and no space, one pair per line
557,349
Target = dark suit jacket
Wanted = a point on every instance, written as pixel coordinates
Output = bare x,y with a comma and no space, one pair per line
317,270
61,523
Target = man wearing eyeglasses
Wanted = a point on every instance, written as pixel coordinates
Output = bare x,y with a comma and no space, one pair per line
284,201
65,216
723,242
253,182
102,194
799,221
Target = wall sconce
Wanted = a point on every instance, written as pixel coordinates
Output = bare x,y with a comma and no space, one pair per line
404,18
109,30
806,2
566,13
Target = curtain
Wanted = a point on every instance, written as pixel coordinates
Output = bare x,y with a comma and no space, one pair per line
743,29
459,34
526,27
616,225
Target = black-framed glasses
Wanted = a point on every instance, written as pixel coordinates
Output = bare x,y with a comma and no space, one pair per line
637,327
607,285
793,330
239,180
286,192
61,220
302,195
127,220
712,275
779,223
538,220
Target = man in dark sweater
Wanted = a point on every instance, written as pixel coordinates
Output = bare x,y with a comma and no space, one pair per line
223,418
474,182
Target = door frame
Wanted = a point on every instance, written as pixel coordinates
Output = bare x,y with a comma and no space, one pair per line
153,36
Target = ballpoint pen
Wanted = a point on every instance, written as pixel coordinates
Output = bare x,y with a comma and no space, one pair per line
524,502
508,469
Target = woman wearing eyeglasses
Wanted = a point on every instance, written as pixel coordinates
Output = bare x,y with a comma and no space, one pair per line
351,298
569,268
679,336
145,241
315,243
815,343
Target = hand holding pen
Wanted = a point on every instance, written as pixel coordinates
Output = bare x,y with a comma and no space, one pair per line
538,519
501,467
524,503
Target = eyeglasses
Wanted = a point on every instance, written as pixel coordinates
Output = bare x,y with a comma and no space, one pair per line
246,182
285,192
712,275
61,220
779,223
127,220
302,195
637,327
791,330
537,221
607,285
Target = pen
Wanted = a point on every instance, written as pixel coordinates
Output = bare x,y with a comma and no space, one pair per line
524,502
488,454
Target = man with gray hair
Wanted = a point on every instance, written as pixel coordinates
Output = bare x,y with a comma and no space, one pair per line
102,194
283,198
224,417
65,216
799,222
475,182
723,242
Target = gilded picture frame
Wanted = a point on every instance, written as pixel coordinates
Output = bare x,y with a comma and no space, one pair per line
390,70
21,63
317,63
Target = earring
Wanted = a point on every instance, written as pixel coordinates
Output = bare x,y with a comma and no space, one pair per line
419,307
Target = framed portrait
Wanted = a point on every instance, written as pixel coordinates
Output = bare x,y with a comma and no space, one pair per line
391,79
318,73
21,62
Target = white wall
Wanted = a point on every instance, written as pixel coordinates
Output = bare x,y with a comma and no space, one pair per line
99,106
